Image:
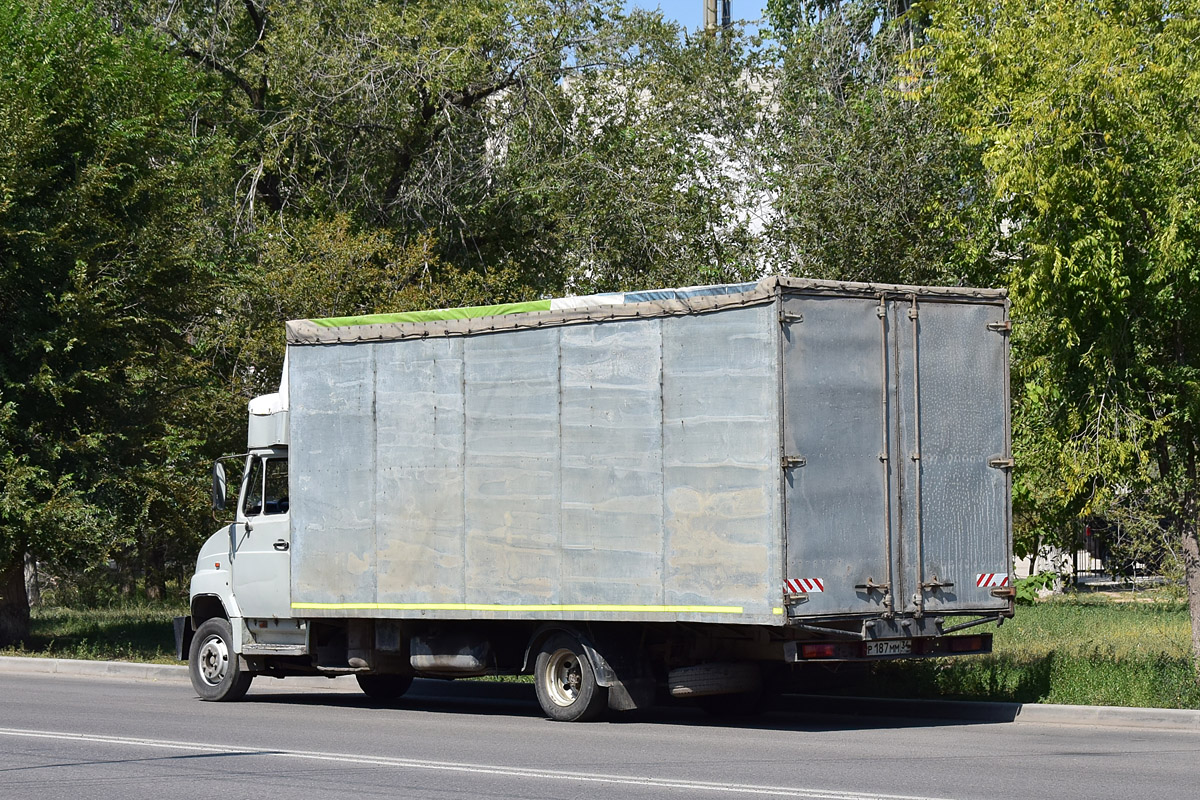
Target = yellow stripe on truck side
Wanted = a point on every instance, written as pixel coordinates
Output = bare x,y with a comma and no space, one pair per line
531,607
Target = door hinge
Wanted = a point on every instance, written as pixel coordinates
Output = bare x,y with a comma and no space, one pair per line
791,462
1004,326
1001,463
786,319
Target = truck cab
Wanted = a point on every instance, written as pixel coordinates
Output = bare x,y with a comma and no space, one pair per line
242,577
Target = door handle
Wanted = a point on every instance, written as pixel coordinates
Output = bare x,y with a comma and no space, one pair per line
281,545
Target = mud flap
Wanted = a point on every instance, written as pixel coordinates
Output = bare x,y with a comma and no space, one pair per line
630,684
631,694
183,637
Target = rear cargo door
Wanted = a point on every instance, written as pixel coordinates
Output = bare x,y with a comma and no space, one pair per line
836,488
895,448
951,390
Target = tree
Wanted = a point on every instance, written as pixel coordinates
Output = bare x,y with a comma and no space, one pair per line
321,268
637,174
1086,112
98,280
385,112
868,181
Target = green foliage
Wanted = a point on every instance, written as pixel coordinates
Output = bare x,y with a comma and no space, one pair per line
634,175
1073,651
121,632
102,185
1096,680
392,114
1085,113
1080,625
1027,589
868,183
319,268
1085,116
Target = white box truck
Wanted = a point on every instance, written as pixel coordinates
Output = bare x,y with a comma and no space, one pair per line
701,490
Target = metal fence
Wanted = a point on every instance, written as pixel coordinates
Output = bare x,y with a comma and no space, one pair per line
1087,567
1103,554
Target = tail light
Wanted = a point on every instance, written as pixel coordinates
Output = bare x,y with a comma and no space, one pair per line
818,651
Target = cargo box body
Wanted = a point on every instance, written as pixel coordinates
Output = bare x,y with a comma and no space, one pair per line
775,454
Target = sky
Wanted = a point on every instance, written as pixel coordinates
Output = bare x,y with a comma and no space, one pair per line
690,13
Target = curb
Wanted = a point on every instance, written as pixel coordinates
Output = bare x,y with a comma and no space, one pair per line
958,710
978,711
104,669
1111,716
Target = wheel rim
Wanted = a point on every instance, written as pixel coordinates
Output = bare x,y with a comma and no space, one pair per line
563,677
214,660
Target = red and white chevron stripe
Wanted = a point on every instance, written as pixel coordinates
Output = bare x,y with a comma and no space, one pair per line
804,585
991,579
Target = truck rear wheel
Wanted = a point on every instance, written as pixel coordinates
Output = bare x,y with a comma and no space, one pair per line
386,688
702,680
565,681
212,664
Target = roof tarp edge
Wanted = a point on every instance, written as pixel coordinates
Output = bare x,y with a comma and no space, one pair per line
543,313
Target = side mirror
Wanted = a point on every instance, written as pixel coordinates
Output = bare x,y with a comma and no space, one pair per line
218,486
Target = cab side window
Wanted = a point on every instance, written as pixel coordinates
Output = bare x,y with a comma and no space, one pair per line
277,487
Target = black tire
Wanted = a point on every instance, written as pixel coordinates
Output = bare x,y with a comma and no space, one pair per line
716,679
384,687
565,681
213,666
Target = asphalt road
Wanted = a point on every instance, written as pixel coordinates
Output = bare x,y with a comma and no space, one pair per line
88,738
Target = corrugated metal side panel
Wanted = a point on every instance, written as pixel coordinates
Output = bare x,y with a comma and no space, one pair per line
721,459
543,473
612,473
419,520
332,466
513,494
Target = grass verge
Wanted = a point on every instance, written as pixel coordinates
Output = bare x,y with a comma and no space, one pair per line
121,633
1074,650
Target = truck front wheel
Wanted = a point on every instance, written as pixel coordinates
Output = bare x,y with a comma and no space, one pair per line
212,664
565,681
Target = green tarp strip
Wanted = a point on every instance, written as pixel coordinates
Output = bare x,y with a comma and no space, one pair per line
472,312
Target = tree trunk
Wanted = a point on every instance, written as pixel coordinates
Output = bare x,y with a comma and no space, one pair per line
1191,566
14,603
33,584
154,567
1191,540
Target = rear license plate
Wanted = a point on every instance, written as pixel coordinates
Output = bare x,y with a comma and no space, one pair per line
889,647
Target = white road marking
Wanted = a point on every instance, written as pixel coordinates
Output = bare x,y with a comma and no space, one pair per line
477,769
